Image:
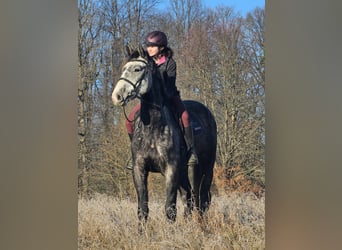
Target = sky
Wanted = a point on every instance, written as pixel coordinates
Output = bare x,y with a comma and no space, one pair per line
240,6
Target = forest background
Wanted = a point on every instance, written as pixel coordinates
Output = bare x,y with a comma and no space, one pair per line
220,62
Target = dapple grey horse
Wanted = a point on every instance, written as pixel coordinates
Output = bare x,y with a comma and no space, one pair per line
158,144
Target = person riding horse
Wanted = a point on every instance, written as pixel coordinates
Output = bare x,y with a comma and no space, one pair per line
158,143
157,48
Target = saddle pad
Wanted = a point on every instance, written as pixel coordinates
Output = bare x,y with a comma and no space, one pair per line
196,125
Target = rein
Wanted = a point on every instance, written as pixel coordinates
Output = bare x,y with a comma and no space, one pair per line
127,116
142,100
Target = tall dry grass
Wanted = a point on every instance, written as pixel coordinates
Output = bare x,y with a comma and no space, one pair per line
235,221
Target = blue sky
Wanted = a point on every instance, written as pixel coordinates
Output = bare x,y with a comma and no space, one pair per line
240,6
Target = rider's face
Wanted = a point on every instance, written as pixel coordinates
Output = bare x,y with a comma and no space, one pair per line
152,50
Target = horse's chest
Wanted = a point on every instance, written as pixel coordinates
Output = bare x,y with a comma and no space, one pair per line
152,146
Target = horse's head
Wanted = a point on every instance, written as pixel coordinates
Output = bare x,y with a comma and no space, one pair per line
134,80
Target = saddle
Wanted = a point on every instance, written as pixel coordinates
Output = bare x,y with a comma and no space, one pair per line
194,122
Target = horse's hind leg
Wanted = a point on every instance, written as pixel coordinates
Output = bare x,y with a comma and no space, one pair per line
205,196
185,194
194,179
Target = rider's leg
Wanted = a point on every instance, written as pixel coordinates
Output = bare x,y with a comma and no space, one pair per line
188,134
189,140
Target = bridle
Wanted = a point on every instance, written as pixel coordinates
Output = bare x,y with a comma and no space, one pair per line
136,86
135,93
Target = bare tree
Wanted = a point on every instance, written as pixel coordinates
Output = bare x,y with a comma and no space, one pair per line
185,13
106,26
217,70
254,51
89,29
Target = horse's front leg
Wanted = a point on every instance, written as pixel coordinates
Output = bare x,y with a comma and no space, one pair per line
140,183
172,184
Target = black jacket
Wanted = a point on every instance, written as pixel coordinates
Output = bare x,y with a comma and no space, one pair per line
168,72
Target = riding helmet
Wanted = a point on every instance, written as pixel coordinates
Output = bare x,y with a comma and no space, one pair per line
156,38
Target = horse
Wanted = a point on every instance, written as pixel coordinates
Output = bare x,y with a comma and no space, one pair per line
158,143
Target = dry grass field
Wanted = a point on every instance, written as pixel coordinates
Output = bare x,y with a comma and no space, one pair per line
235,221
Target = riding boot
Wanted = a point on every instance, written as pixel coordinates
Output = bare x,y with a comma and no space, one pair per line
188,136
129,164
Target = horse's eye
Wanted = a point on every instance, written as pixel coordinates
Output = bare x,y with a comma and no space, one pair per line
138,69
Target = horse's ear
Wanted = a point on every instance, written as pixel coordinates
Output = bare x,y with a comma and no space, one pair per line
129,50
141,51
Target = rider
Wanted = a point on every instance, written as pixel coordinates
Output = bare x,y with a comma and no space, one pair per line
156,43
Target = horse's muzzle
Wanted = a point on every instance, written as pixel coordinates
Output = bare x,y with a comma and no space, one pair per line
118,99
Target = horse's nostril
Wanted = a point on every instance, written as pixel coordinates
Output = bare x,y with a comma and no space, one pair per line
118,97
